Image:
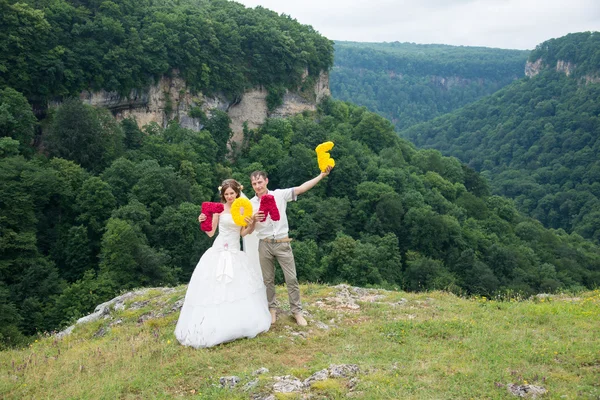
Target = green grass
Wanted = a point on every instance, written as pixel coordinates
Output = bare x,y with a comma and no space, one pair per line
434,346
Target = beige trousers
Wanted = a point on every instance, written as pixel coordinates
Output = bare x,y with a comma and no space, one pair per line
282,252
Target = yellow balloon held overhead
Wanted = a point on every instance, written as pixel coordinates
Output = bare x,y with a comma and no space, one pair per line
238,206
323,157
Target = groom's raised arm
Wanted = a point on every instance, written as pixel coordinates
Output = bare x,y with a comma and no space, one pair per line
306,186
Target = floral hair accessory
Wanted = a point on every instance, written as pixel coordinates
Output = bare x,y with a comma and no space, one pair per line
323,157
269,207
238,206
208,209
221,188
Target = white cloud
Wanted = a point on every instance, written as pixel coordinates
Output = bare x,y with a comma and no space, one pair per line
516,24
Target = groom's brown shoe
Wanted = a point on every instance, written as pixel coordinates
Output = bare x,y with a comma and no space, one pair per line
300,319
273,315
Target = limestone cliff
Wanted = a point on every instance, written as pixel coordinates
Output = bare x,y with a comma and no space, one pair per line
171,99
533,68
567,67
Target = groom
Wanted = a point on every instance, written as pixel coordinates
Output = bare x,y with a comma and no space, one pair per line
274,243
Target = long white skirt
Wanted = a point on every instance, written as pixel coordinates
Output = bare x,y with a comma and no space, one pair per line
225,300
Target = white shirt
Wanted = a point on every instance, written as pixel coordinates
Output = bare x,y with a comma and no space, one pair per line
274,229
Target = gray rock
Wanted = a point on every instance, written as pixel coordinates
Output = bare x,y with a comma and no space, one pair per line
102,310
317,376
402,302
343,370
177,306
530,391
138,304
229,381
263,397
250,385
260,371
288,384
101,332
352,383
65,332
322,326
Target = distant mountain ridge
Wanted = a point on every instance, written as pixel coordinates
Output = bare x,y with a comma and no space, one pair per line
411,83
537,140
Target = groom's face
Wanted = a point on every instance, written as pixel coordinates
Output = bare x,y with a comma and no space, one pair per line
259,184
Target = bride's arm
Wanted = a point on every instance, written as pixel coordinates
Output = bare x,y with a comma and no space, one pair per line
215,223
249,228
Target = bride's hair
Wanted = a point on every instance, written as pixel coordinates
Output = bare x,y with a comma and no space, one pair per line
230,183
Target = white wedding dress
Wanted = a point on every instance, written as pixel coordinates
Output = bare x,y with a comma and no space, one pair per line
226,298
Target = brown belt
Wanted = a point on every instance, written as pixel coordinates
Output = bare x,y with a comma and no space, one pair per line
284,240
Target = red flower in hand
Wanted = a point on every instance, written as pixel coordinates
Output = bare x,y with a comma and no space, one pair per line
208,209
269,207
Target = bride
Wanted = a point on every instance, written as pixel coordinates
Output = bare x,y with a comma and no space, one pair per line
226,298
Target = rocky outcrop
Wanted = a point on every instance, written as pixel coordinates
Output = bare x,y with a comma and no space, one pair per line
565,66
453,81
591,79
170,99
533,68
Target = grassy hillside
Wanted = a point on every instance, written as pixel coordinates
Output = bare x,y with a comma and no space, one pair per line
390,345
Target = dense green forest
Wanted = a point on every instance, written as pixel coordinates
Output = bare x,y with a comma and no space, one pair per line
581,49
112,207
537,140
410,83
58,48
91,206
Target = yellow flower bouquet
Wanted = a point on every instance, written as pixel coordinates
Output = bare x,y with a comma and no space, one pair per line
323,157
240,209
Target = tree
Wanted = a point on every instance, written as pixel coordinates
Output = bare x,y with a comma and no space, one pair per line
127,261
95,203
219,127
306,255
121,176
376,132
77,254
10,320
159,187
177,233
17,120
427,273
85,135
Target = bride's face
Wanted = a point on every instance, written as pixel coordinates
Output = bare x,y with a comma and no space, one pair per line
230,195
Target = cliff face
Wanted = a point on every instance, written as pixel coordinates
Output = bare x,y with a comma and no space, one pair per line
533,68
170,99
567,67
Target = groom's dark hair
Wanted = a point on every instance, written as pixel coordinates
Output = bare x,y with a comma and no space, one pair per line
258,174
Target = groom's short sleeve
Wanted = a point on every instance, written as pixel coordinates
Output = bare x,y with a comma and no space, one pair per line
287,194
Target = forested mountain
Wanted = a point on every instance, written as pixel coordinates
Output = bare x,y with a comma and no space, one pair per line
410,83
58,48
578,53
119,212
97,206
537,140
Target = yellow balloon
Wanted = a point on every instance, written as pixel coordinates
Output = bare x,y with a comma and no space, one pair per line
241,204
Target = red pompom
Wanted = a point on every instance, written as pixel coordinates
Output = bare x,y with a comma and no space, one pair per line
208,209
269,207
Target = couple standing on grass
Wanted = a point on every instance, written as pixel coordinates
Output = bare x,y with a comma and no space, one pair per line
231,294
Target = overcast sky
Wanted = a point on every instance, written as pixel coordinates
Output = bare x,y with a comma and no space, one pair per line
507,24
